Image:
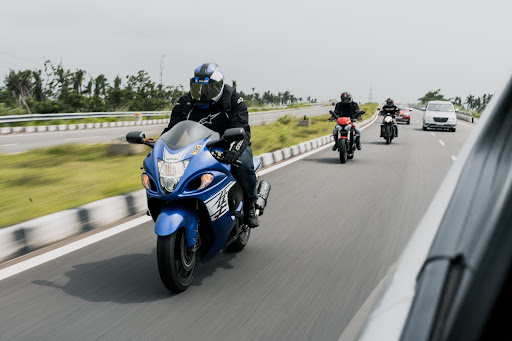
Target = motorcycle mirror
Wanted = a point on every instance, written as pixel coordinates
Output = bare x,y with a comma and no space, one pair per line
135,137
233,134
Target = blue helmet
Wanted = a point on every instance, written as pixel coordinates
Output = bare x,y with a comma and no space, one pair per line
207,84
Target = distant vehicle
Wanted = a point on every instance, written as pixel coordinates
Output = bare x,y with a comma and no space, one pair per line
440,114
405,113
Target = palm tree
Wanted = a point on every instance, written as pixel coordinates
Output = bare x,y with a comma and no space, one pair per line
470,100
18,84
38,86
100,84
78,79
234,85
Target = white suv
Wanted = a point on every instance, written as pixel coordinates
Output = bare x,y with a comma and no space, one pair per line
440,114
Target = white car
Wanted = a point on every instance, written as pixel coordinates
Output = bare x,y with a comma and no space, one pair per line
440,114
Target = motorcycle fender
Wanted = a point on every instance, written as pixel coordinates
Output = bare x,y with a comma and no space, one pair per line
171,219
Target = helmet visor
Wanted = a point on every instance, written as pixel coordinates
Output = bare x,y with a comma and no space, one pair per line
205,90
345,99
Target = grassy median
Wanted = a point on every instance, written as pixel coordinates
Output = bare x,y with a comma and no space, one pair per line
43,181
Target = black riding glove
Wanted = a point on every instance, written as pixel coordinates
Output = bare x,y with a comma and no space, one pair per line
230,157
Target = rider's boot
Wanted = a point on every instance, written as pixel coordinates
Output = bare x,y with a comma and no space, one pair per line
358,143
335,146
251,219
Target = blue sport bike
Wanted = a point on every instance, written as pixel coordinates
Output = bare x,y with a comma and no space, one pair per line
195,201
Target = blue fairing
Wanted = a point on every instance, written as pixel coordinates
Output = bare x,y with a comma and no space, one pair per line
173,218
179,211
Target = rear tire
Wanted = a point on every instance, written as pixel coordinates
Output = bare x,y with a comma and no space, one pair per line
342,148
175,264
242,240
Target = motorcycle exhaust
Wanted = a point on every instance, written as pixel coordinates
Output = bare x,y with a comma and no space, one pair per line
263,192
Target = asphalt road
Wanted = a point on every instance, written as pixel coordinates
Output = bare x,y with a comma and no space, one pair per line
327,238
15,143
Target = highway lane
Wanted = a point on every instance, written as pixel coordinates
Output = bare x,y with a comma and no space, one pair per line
15,143
327,238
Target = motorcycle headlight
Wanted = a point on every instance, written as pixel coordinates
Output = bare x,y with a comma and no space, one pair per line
388,119
348,127
171,173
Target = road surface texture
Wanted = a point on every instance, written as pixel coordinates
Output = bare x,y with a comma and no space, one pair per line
327,238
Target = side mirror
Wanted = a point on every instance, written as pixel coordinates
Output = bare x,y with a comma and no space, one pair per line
378,109
135,137
234,134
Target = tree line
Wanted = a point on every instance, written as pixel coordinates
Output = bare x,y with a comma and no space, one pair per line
474,103
55,89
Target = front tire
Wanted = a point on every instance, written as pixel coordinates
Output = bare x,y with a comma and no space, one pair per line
342,147
388,135
175,264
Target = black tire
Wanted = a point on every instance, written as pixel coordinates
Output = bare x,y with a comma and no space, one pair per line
453,130
342,148
408,122
242,240
425,128
175,265
387,132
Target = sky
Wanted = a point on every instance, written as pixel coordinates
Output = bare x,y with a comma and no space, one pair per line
399,48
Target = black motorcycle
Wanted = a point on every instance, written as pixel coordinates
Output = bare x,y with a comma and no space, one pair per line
387,128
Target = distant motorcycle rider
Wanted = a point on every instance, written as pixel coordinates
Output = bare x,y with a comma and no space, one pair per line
391,109
347,108
218,107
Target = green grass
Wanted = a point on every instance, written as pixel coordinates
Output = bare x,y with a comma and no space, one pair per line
47,180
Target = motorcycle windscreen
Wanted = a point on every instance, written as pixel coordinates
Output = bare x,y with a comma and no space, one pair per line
186,133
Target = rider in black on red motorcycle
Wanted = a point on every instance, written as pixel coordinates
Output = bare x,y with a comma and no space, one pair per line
391,109
347,108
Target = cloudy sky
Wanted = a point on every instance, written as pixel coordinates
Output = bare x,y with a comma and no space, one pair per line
402,48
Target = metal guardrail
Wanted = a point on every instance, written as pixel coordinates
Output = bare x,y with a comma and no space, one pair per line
73,116
83,115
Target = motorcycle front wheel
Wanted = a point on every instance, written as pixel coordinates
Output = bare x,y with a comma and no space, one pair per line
176,264
342,148
388,135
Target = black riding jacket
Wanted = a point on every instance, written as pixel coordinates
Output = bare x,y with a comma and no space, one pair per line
390,109
228,112
346,109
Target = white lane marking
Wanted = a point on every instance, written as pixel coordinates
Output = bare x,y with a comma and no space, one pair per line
433,134
8,145
300,157
442,143
454,158
63,250
81,138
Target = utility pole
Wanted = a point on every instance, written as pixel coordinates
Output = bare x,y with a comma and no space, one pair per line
162,68
370,93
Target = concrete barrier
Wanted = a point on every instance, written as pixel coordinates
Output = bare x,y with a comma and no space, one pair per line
295,150
61,127
30,129
267,159
287,153
5,130
41,128
278,156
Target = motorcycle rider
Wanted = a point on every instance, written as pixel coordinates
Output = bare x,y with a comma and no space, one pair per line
391,109
218,107
347,108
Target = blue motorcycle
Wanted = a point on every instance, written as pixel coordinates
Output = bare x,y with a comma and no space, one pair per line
195,201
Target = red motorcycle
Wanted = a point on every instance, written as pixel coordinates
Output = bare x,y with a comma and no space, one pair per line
345,136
